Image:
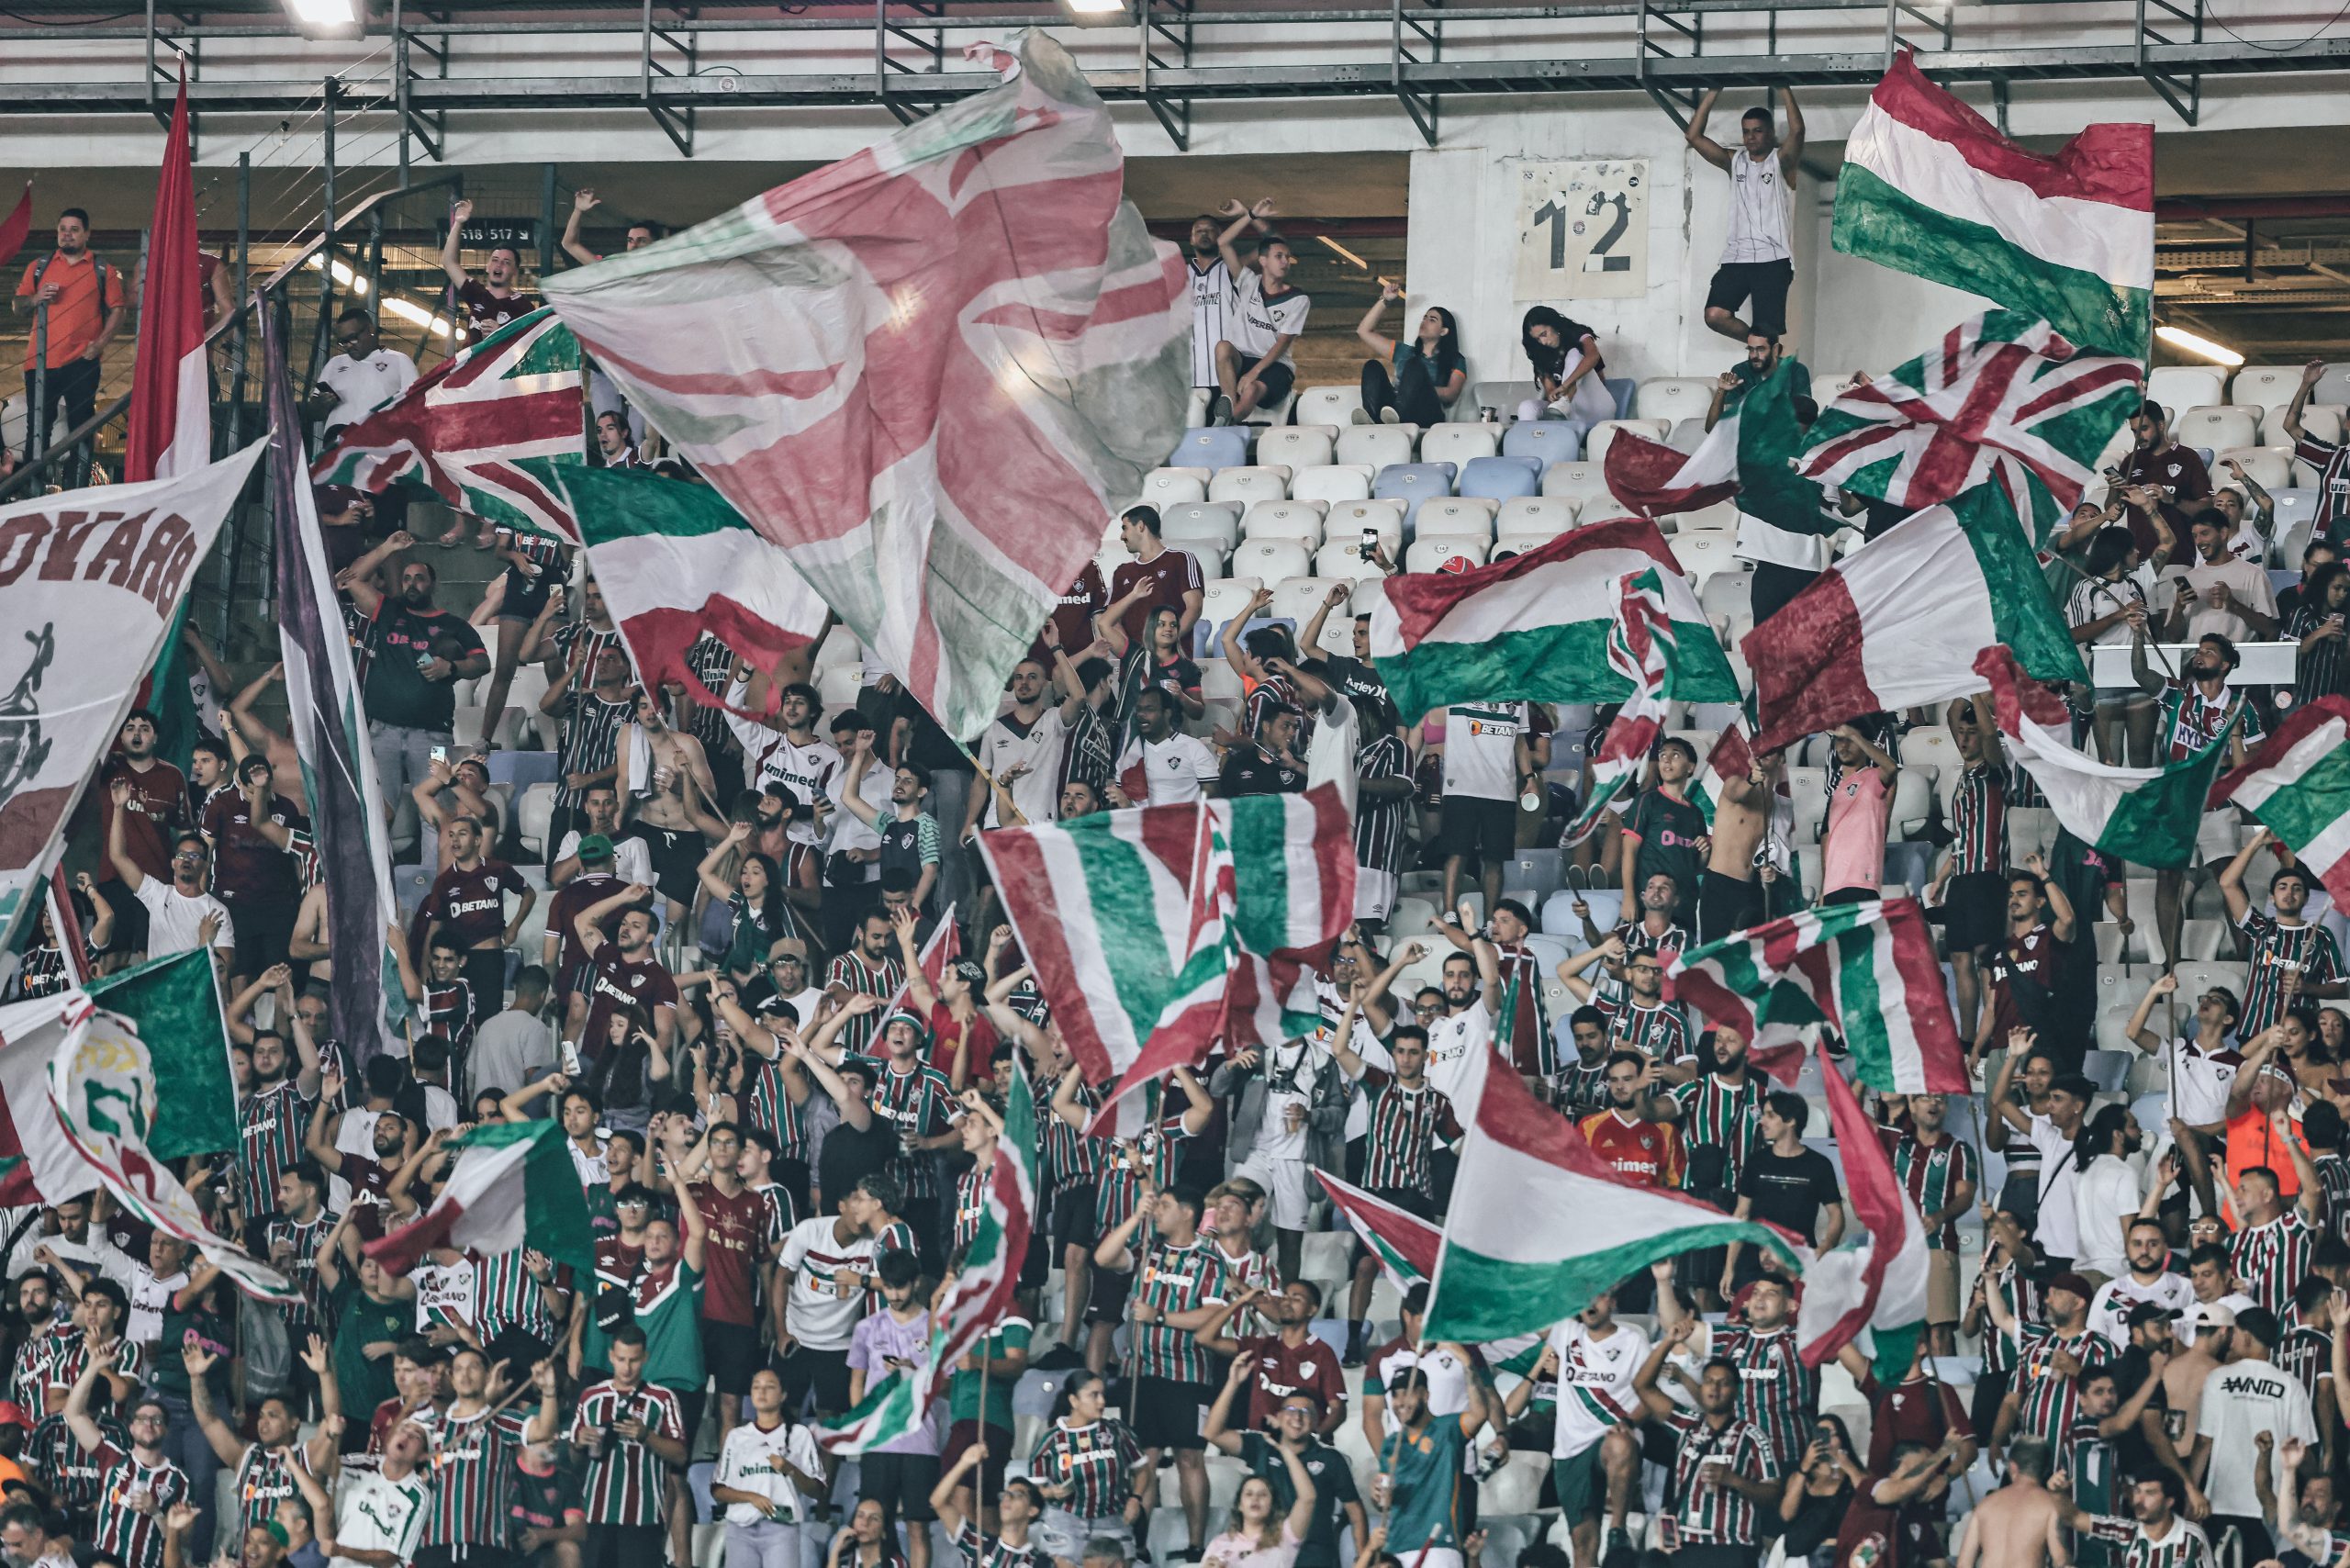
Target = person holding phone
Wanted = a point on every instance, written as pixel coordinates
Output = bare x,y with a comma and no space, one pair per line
899,1476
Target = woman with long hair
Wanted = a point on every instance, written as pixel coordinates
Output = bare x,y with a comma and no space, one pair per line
1090,1468
1567,362
758,910
1260,1535
1414,381
2318,625
625,1070
1158,660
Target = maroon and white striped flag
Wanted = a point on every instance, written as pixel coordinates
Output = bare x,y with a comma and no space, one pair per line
1640,648
929,371
1657,480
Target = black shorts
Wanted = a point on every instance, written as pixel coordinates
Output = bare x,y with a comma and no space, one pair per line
264,929
821,1373
901,1482
1974,912
623,1546
1167,1414
1726,905
1765,283
1486,829
1073,1220
731,1350
676,853
524,597
1276,378
1105,1299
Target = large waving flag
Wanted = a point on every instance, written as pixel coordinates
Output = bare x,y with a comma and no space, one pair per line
2148,816
174,1004
91,583
513,1185
102,1092
487,430
1404,1244
330,732
930,371
674,560
1640,648
2003,394
1899,621
170,412
1879,1286
1868,970
1154,930
2298,785
1731,757
1540,1224
1929,187
1747,453
1535,628
1657,480
17,226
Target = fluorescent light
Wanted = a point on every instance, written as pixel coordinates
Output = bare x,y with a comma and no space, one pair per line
1098,13
1350,255
2186,342
323,18
345,276
417,315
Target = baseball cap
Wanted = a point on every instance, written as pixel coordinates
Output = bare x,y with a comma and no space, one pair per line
2068,1281
13,1415
2151,1311
2212,1314
1455,564
333,500
595,847
787,948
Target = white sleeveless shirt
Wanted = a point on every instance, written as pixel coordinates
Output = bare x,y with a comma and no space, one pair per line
1758,209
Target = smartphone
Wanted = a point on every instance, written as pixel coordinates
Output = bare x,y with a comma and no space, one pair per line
439,753
1370,542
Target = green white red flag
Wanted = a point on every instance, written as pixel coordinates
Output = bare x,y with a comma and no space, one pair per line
1866,969
513,1185
1732,759
2297,786
2004,395
486,429
1929,187
930,371
1535,628
1640,643
170,430
1404,1244
1879,1287
1898,623
2148,816
1540,1224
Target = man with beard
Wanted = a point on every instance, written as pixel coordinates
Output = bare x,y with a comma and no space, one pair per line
625,971
2196,709
415,655
1717,1114
1724,1469
2105,1196
2052,1357
1641,1021
2147,1278
1776,1392
2152,1534
153,810
2276,1241
1211,296
1291,1360
497,298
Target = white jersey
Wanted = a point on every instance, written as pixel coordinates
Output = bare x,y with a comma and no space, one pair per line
753,1460
1176,771
1036,788
375,1515
769,758
2109,1313
1758,209
1595,1383
1211,317
1452,1037
1480,749
820,1313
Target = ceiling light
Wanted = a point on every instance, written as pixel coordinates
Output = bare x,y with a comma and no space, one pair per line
325,18
2186,342
1350,255
345,276
417,315
1098,13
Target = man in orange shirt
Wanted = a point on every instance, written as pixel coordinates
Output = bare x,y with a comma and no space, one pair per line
80,298
1641,1152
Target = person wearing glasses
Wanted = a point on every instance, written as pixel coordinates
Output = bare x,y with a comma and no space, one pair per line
1642,1020
182,915
362,377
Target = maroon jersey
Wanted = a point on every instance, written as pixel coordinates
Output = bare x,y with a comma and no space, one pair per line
1073,616
1171,576
732,1253
615,981
582,893
471,905
157,810
247,868
486,312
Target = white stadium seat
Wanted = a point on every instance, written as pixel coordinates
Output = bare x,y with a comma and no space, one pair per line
2218,428
1577,482
1332,405
1219,521
1296,599
1456,444
1704,553
2265,386
1594,446
1173,487
1346,519
1454,515
1345,559
1430,555
1378,445
1673,398
1547,516
1272,559
1224,599
1332,482
2181,386
1298,446
1298,520
1255,484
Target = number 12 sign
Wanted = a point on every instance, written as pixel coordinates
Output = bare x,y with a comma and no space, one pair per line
1583,228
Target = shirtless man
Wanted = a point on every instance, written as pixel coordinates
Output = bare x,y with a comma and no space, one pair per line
2183,1383
2021,1525
671,810
1730,898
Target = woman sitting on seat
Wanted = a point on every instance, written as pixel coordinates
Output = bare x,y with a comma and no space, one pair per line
1567,362
1429,372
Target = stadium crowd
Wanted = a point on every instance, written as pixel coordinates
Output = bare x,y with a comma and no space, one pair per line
700,952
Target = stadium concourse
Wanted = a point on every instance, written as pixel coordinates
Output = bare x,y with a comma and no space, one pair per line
1990,1203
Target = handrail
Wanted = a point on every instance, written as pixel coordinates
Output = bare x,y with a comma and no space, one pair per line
21,483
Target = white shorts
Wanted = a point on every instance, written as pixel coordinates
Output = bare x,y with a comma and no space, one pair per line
1284,1184
2218,836
1432,1557
1375,893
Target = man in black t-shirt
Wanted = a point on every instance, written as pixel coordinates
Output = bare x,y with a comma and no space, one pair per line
1784,1184
1667,830
252,830
1266,766
414,655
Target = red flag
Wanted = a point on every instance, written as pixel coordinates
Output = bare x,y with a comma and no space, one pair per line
170,424
17,226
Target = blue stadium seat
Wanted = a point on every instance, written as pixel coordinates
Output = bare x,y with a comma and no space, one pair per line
1502,478
1213,448
1553,440
1411,482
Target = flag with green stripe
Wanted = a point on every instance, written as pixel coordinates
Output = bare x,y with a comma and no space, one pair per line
2148,816
2298,785
1866,969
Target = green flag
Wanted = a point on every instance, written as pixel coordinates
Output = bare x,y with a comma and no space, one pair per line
1769,437
175,1002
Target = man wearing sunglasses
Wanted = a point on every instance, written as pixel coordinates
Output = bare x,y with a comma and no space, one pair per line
182,915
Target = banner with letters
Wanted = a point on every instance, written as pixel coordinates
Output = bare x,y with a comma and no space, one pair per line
89,581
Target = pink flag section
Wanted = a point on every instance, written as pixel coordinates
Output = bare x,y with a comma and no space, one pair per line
171,420
1640,648
1655,480
2112,164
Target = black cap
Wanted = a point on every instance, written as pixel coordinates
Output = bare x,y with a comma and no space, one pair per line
2150,1312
